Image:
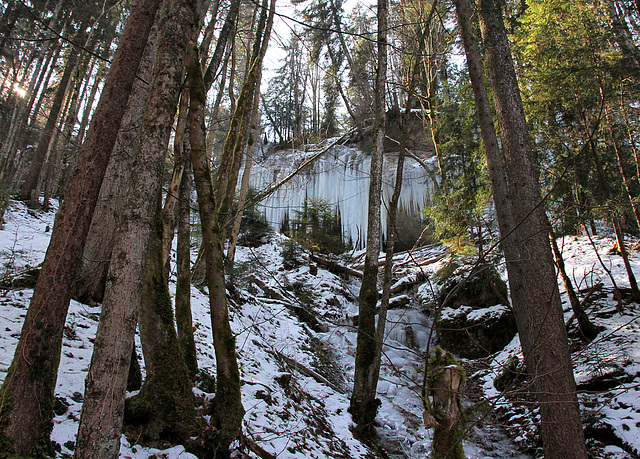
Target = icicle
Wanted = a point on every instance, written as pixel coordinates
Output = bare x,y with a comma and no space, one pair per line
341,178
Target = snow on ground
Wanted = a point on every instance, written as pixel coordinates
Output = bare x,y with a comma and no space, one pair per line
296,345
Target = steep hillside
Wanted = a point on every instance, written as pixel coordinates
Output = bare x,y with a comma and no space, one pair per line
296,340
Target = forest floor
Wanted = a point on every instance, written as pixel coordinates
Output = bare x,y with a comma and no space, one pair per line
296,340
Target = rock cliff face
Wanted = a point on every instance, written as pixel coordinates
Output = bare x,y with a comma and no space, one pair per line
341,177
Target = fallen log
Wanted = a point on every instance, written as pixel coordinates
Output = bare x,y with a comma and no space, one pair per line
308,372
335,266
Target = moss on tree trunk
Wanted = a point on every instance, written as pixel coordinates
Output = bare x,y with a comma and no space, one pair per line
165,405
443,411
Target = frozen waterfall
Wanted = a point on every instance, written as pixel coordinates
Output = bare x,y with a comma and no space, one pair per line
341,177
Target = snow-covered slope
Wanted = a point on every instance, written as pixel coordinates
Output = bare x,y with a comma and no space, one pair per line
296,344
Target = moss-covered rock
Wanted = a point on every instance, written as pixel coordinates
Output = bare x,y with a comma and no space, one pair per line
473,319
479,287
474,333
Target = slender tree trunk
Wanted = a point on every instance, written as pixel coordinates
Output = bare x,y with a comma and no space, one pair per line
165,406
617,225
41,96
532,277
29,189
363,85
102,411
244,188
52,179
338,84
12,166
226,34
89,103
236,141
392,213
225,42
9,145
364,405
183,282
227,406
623,170
169,209
587,329
27,395
207,35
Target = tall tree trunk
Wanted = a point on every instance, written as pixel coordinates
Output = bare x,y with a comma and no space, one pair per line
100,73
236,141
485,118
92,276
165,406
227,408
392,213
29,189
364,405
244,189
9,144
242,200
41,96
102,411
184,322
392,209
532,276
53,170
27,395
226,34
224,42
169,209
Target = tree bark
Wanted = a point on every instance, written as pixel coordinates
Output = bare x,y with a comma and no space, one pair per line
586,327
485,118
29,190
92,276
169,209
227,406
27,395
364,405
102,411
532,277
165,406
183,282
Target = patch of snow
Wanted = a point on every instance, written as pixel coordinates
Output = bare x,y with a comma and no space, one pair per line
484,314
